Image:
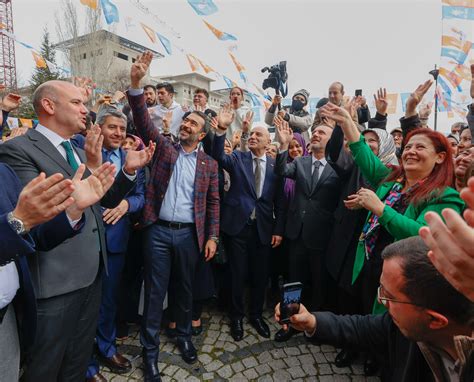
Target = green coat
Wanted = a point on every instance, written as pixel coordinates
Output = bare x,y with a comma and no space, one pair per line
400,226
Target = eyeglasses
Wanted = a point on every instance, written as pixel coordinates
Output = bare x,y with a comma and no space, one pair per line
384,300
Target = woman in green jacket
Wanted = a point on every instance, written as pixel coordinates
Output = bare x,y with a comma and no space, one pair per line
403,194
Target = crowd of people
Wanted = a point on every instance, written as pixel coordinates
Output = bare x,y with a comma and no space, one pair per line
202,205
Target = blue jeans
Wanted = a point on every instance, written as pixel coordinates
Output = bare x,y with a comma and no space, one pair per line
167,249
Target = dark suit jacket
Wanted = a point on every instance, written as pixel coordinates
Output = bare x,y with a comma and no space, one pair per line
73,264
241,198
14,248
206,184
310,214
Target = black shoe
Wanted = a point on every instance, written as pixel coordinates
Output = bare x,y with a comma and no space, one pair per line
344,358
151,372
196,330
284,335
370,366
170,332
260,326
237,329
188,351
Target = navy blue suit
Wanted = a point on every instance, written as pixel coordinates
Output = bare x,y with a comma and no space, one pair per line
249,240
14,248
116,236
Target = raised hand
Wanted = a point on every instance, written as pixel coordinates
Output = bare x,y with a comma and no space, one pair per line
113,215
140,68
342,117
302,321
85,85
276,99
11,102
167,118
43,198
381,103
225,117
138,159
416,97
90,190
118,96
93,148
425,111
247,122
285,134
214,123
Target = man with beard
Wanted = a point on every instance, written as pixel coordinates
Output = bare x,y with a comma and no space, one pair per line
149,92
182,217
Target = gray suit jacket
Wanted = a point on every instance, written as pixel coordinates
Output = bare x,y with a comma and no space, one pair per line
310,213
74,264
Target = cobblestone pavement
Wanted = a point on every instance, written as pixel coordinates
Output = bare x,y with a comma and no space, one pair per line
254,358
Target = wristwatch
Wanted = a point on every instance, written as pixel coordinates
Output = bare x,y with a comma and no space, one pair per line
215,239
17,225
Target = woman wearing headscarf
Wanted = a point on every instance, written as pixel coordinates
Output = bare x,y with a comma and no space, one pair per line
404,194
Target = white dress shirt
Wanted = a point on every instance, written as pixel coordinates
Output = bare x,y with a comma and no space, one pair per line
263,170
322,165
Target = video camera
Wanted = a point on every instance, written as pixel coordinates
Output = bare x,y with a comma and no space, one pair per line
276,79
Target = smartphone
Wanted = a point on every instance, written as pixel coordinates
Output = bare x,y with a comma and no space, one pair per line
358,92
290,301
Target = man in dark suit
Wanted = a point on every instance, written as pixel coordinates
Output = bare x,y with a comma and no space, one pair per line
310,214
113,125
66,279
182,217
252,219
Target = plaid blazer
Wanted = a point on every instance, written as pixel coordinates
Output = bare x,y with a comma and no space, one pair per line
206,188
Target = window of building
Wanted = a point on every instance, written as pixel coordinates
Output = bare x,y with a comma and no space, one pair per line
121,56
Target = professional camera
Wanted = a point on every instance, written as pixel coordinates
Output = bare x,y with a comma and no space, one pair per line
276,79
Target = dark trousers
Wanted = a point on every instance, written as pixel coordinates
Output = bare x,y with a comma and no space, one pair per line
248,259
167,248
106,328
66,327
307,266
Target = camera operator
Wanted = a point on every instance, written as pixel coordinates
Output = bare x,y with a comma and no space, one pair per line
296,115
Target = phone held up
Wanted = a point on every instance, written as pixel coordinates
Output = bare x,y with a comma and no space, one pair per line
358,92
290,301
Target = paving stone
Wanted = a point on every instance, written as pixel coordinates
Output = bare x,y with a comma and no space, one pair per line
263,369
327,348
264,357
230,347
265,378
281,375
324,369
225,372
331,357
181,375
278,353
307,359
239,377
341,378
237,366
341,370
320,358
251,374
291,361
208,376
303,349
309,370
170,370
192,378
205,358
326,378
277,364
214,365
292,351
296,372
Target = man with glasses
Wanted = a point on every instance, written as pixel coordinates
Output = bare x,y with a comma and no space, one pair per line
426,333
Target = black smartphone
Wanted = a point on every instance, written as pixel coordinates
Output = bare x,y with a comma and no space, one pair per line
290,301
358,92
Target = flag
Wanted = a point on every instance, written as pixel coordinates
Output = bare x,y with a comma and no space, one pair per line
267,104
243,77
129,23
444,101
312,104
12,123
465,13
192,62
256,114
165,42
254,99
207,69
454,78
464,46
219,34
457,55
392,100
203,7
110,10
149,32
228,82
3,26
237,64
51,66
404,98
459,3
25,45
26,122
39,61
90,3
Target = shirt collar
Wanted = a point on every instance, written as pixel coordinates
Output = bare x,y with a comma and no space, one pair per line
193,153
53,137
263,158
115,152
322,161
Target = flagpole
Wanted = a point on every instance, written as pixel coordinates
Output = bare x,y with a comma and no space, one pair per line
435,73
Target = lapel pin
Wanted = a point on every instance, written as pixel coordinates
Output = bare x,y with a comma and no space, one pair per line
203,162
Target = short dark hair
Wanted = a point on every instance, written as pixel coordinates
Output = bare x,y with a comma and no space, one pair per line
424,285
149,87
205,128
202,91
166,85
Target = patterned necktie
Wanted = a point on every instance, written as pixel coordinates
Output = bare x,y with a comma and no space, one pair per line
315,177
106,156
70,155
258,176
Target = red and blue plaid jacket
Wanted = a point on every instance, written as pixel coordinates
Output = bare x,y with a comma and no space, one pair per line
206,189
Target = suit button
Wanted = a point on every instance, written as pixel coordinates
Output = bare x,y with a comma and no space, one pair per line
304,212
309,199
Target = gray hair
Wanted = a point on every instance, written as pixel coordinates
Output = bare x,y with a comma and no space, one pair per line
109,111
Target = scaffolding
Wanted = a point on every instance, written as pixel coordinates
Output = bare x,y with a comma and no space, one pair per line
7,46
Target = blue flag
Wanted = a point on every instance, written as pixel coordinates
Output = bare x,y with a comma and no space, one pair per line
165,42
256,114
228,81
110,11
255,100
458,55
465,13
203,7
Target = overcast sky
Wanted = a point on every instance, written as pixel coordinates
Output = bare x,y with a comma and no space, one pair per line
362,43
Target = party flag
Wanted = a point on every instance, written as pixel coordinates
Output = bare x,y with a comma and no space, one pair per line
457,55
256,114
392,100
26,122
228,82
465,13
25,45
207,69
460,3
219,34
464,46
165,42
312,104
192,62
243,76
237,64
254,99
12,123
454,78
203,7
404,98
149,32
110,10
39,61
51,66
90,3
